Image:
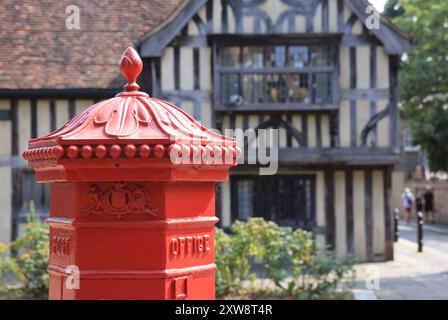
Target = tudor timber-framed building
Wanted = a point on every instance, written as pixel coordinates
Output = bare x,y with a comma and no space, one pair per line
308,67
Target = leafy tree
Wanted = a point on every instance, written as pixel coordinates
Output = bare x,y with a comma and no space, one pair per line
393,9
424,74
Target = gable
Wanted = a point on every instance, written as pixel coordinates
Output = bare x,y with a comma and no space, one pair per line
395,40
278,17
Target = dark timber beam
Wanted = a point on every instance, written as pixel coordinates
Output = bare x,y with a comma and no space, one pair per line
33,118
176,66
71,108
372,123
368,214
78,93
373,85
15,172
153,46
190,41
254,169
53,115
353,104
325,15
276,122
365,94
209,16
387,179
224,16
393,101
330,219
350,23
350,40
188,94
338,156
340,8
278,107
349,211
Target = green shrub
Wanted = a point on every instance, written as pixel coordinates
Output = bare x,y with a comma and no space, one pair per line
23,275
293,261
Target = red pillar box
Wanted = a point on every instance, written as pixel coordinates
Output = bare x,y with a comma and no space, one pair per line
132,198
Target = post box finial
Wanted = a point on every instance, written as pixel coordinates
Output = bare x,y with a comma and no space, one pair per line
131,66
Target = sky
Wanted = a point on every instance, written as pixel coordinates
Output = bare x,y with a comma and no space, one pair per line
379,4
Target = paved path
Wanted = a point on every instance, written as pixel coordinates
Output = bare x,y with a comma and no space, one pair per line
411,275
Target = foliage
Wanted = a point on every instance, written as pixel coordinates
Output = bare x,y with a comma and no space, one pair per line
424,74
293,262
23,274
393,9
296,266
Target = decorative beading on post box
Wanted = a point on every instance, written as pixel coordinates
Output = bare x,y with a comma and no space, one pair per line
132,183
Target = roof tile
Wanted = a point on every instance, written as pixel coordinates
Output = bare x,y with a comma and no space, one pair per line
38,51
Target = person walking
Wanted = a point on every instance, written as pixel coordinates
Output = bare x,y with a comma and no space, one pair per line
429,204
407,201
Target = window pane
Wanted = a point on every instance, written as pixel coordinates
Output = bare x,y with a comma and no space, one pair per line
298,88
276,88
253,88
245,199
298,56
33,192
253,57
322,88
287,200
229,86
275,56
320,56
229,56
310,86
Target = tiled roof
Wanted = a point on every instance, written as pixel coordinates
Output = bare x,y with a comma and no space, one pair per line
37,51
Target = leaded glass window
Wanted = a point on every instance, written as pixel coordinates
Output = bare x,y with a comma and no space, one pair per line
286,199
275,74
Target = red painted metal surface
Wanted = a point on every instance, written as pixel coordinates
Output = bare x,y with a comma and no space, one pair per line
132,198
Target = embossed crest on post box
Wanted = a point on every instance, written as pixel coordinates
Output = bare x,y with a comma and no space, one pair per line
120,199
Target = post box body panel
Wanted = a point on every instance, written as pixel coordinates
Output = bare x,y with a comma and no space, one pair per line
188,287
138,240
83,200
132,204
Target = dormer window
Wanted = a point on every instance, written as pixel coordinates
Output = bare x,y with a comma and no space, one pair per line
292,75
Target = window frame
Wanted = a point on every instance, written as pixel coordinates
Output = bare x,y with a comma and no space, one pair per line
330,40
310,224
